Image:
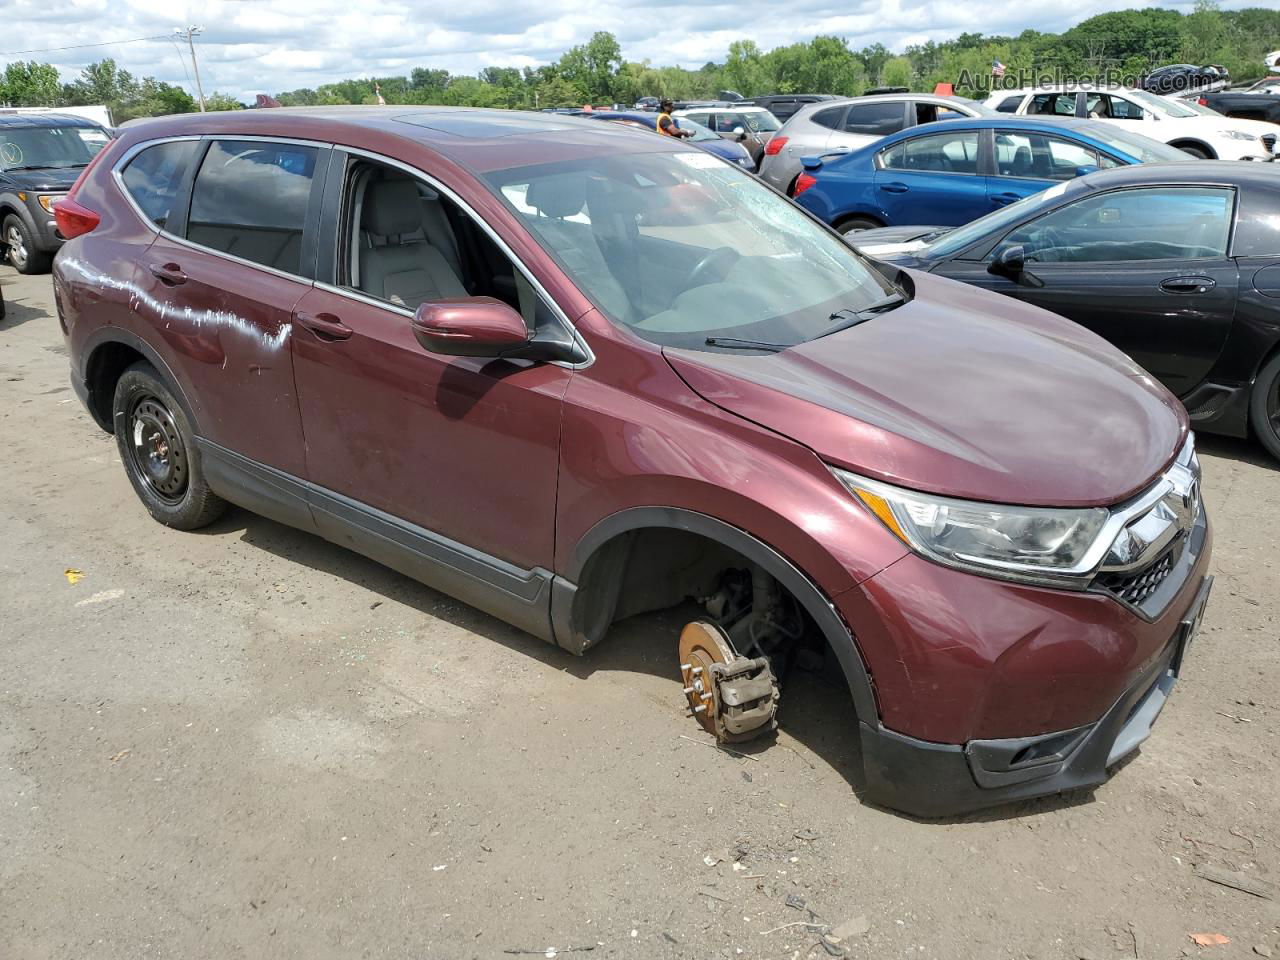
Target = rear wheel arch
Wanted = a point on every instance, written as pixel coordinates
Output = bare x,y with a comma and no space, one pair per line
586,598
108,354
845,221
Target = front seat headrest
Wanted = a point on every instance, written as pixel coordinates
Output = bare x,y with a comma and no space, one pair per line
560,195
391,208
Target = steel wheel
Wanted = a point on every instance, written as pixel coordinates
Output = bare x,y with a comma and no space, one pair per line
17,244
157,449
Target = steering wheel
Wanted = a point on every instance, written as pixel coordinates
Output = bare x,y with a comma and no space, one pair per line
1049,240
713,266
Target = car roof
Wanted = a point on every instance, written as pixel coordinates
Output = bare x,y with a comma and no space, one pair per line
1197,172
480,139
1068,88
12,120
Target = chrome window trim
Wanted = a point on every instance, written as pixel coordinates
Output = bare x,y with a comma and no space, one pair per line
117,172
466,208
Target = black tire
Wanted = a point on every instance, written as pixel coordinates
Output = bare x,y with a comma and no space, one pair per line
1198,152
1264,406
23,254
856,225
157,447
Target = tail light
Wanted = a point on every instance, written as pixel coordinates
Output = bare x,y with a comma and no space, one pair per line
73,218
803,183
774,146
1202,101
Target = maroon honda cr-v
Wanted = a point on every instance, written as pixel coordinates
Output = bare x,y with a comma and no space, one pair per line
570,372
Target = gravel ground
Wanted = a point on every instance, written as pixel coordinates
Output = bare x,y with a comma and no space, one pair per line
248,743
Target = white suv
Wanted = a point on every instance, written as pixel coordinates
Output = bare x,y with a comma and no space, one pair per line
1207,135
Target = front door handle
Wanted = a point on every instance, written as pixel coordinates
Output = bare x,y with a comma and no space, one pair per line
894,187
170,274
1188,285
1002,199
324,325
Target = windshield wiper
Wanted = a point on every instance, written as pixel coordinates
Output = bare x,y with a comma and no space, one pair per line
746,344
844,319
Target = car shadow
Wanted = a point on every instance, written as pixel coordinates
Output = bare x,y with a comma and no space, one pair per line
17,313
1233,448
816,713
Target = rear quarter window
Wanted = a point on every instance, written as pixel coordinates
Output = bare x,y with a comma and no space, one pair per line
831,118
155,175
1009,104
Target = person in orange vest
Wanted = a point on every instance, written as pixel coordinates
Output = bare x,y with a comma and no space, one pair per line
666,123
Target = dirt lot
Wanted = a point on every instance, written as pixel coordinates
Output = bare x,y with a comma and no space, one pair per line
248,743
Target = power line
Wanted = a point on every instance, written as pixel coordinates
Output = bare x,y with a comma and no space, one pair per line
81,46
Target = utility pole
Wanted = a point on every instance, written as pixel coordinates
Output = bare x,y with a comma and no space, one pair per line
188,33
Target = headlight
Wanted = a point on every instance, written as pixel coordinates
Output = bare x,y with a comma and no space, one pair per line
1241,135
1043,545
47,200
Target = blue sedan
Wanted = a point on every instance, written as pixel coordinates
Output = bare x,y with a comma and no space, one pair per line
702,137
953,171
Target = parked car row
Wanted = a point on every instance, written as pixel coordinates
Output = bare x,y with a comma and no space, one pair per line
1178,265
361,322
41,155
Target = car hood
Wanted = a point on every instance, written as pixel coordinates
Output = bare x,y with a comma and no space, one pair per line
728,149
1257,128
895,244
56,178
960,392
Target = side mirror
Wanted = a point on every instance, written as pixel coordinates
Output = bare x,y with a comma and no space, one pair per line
740,133
1011,263
469,327
1085,169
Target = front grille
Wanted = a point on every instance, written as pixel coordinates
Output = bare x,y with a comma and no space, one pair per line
1269,141
1135,587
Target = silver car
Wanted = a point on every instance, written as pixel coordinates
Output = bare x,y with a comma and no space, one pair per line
847,124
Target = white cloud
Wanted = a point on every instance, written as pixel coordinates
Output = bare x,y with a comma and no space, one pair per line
252,46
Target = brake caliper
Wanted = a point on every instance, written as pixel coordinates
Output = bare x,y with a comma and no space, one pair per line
733,697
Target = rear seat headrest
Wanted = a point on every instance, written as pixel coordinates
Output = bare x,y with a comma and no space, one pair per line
391,208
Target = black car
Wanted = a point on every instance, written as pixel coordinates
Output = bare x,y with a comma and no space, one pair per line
1176,264
41,155
783,105
1180,77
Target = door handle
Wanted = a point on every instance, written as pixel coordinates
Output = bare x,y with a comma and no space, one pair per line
1188,284
894,187
325,326
1002,199
170,274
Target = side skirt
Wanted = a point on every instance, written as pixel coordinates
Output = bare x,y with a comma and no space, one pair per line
520,597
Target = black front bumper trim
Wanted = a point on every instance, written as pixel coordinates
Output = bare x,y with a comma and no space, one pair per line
930,780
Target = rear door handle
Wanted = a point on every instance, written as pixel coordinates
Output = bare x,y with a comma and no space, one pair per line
894,187
1188,285
324,325
170,274
1001,199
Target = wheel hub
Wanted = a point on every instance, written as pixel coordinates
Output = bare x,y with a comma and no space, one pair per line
158,451
17,247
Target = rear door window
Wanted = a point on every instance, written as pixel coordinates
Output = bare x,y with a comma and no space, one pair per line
876,119
250,200
1053,104
154,177
1010,104
941,153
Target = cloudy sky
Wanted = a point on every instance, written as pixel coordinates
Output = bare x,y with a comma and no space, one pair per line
251,46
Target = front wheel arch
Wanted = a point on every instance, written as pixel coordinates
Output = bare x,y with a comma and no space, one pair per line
1197,148
584,598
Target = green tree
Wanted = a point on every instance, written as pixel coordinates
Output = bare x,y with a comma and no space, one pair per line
896,72
30,84
744,69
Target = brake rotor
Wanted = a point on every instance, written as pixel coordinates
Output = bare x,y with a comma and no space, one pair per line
701,645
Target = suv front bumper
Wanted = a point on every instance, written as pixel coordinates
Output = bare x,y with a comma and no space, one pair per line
928,779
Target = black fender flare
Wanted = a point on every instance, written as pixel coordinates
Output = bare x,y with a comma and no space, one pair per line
10,204
564,589
112,334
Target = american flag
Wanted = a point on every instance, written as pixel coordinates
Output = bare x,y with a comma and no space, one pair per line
997,68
